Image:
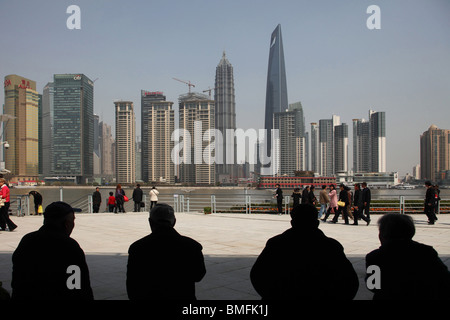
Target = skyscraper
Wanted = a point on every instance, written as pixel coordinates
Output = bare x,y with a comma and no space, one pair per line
276,90
341,148
225,118
125,142
21,102
434,153
196,114
107,151
369,143
73,126
158,124
292,140
47,129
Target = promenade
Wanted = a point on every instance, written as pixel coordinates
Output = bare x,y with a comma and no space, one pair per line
231,243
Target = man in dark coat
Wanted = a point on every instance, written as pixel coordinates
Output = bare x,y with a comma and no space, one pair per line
358,205
408,270
279,196
366,200
292,264
430,201
137,198
164,265
48,264
96,200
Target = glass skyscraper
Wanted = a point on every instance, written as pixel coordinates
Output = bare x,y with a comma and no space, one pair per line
276,91
73,126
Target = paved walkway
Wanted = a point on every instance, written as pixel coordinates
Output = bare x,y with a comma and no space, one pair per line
231,243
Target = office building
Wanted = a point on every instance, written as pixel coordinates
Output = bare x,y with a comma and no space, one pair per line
276,90
341,148
434,154
196,117
73,127
369,143
21,131
158,124
125,142
225,119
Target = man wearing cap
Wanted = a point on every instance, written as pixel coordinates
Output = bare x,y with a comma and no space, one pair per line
164,265
48,263
303,263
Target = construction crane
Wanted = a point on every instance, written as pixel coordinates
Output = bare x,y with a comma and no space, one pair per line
209,90
186,82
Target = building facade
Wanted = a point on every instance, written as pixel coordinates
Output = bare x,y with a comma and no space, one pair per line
276,90
369,143
292,140
197,120
225,119
158,124
434,154
22,130
125,142
73,127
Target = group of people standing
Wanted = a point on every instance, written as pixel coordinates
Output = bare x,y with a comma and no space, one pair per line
117,199
354,205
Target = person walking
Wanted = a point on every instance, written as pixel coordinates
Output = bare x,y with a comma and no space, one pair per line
343,204
119,195
305,195
429,204
324,199
137,198
333,207
153,197
96,200
37,197
279,197
358,206
4,207
437,196
366,200
311,196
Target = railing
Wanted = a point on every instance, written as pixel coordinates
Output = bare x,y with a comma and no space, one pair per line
226,203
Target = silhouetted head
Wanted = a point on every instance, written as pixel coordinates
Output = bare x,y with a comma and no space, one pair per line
60,215
428,184
162,216
304,216
395,226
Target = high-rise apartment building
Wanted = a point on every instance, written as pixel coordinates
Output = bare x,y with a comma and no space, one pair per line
22,131
73,126
369,143
434,153
158,124
107,151
292,140
125,142
341,148
276,90
329,146
225,118
196,116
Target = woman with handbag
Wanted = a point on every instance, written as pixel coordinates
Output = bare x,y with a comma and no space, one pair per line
333,207
4,208
343,204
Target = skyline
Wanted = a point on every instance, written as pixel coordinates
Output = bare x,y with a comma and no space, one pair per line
334,63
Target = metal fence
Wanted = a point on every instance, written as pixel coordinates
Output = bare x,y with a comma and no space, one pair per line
224,203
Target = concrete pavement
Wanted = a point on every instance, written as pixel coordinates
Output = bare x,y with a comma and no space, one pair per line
231,243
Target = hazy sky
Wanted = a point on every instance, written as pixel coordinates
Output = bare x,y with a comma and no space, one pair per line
334,63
